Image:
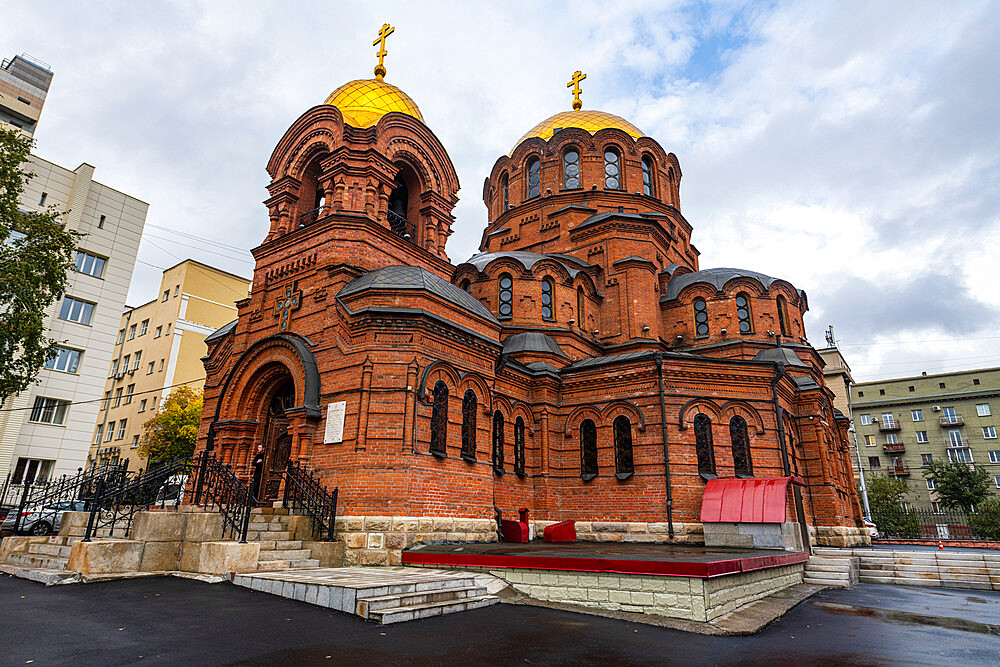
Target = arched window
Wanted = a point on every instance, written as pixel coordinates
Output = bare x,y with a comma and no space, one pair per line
623,447
534,182
498,442
519,447
469,425
466,285
504,193
439,419
579,307
647,176
588,449
782,316
547,305
703,445
571,169
700,317
612,169
506,295
671,184
741,447
743,314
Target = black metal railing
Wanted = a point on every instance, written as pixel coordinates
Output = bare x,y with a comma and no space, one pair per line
83,486
305,495
309,217
118,498
217,487
400,226
945,525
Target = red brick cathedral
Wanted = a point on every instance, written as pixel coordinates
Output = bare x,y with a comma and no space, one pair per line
580,365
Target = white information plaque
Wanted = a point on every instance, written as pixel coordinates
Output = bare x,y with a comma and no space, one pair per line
335,422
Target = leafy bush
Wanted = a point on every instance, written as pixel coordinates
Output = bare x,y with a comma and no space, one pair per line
985,522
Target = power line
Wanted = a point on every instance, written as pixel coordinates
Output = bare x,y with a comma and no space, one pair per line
96,400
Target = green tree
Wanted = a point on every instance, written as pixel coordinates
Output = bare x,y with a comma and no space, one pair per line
985,521
959,485
886,497
36,252
172,432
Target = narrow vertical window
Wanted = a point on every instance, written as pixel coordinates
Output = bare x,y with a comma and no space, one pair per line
700,317
741,447
612,170
469,426
743,314
588,449
439,419
547,307
579,307
519,447
782,316
466,285
703,446
571,169
534,182
498,442
623,447
504,193
647,176
506,295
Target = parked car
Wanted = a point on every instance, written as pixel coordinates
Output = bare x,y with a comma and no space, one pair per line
42,520
872,528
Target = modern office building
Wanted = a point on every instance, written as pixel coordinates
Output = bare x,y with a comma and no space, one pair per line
46,430
904,423
159,346
24,83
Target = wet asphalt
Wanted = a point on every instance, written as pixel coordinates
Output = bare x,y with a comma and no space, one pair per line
177,621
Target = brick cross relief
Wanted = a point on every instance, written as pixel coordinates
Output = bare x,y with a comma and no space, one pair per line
283,307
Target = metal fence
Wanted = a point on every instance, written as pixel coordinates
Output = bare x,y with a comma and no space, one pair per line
944,525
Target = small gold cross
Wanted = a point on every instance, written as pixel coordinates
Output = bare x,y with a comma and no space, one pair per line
574,83
380,43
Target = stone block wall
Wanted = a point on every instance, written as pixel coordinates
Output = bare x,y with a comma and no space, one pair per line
787,535
840,536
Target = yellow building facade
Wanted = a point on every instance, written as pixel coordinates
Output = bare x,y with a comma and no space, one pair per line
159,348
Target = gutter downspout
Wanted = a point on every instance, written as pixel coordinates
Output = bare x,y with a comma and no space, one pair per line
666,450
800,512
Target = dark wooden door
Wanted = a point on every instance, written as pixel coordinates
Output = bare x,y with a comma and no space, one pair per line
279,448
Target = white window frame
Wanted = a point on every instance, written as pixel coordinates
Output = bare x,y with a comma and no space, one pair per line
955,438
917,415
77,310
888,420
994,455
100,432
922,437
110,433
870,441
90,264
891,439
131,331
51,411
866,419
996,480
931,485
960,455
144,327
989,432
61,359
122,424
983,409
928,461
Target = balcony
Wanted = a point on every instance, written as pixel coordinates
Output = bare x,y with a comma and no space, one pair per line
951,420
894,448
400,226
887,425
309,217
898,470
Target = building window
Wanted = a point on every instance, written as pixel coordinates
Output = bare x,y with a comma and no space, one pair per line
888,421
161,366
866,420
159,332
881,392
996,480
911,388
100,223
647,176
118,396
469,425
931,485
989,432
579,307
534,177
926,459
498,442
125,362
166,295
49,411
741,446
177,290
917,415
135,362
983,409
106,402
144,327
782,316
121,337
624,465
97,434
76,310
92,265
506,295
439,419
869,441
135,441
994,455
65,359
891,439
700,317
941,385
571,169
861,394
519,447
975,380
129,393
466,285
949,416
547,309
743,312
588,449
922,436
955,437
131,331
111,431
31,470
167,332
154,402
121,429
960,455
612,169
150,368
936,508
703,445
874,462
142,405
41,200
504,193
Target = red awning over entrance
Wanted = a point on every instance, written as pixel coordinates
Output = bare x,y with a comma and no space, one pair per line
756,500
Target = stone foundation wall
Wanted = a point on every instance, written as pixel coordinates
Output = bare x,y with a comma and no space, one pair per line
787,535
840,536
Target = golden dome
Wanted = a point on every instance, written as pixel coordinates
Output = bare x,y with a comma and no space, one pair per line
588,120
364,101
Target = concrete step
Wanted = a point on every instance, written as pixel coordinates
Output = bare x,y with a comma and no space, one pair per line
42,575
271,545
274,535
272,565
831,552
402,614
827,568
288,554
366,606
38,560
303,563
269,511
50,550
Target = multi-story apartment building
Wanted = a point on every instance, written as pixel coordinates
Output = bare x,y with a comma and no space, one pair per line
24,83
159,347
904,423
46,430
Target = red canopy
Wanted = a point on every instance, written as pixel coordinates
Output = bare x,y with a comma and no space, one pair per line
755,500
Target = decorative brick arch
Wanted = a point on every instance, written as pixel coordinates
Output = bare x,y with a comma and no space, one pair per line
627,408
257,368
437,370
590,411
734,407
477,383
686,414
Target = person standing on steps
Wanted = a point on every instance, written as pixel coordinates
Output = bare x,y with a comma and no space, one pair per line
258,474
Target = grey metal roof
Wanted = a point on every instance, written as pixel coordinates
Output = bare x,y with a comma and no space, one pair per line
527,259
717,277
399,277
221,331
779,355
804,382
604,215
532,341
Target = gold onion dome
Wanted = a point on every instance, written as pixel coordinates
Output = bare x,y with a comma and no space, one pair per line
588,120
365,101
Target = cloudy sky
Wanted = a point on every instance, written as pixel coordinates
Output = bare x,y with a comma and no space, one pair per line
850,147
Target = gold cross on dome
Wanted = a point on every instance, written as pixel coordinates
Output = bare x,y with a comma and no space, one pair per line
380,43
574,83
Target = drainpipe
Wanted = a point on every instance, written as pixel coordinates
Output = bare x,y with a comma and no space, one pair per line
800,512
666,450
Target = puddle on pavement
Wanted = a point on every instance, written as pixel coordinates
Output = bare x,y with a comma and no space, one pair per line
909,618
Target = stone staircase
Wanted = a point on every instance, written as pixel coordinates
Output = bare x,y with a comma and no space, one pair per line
832,567
383,595
44,561
275,530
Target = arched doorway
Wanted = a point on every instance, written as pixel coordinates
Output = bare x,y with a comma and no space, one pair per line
277,439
